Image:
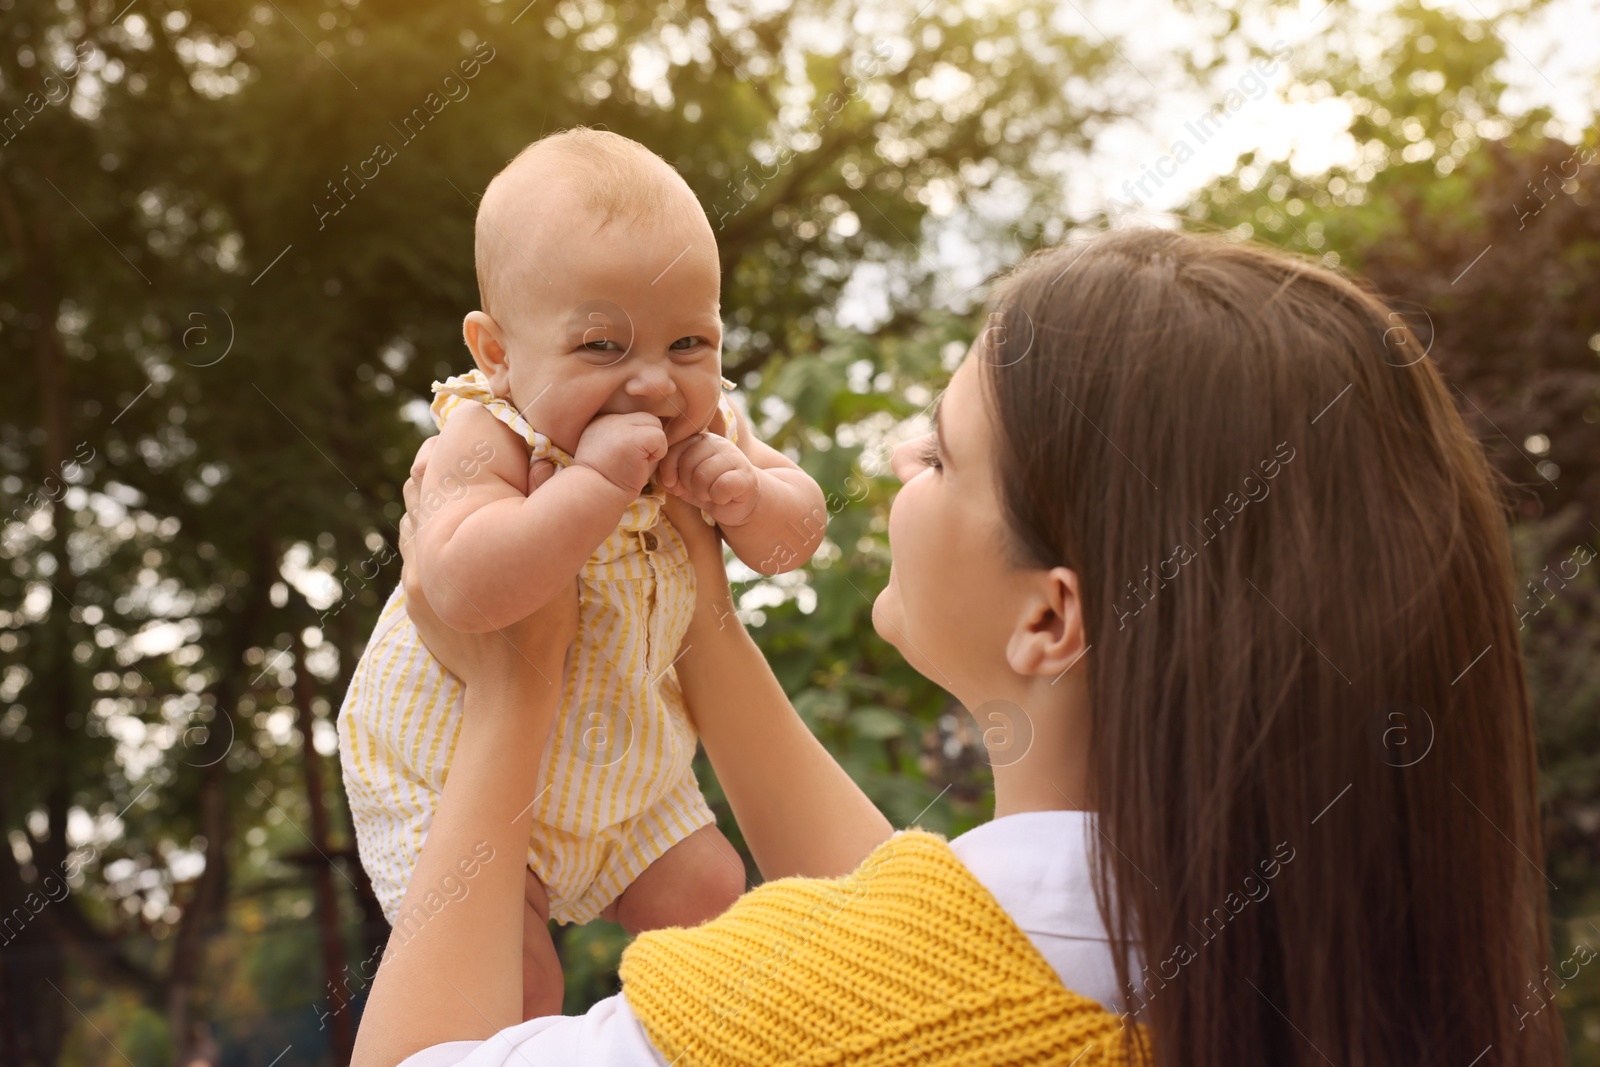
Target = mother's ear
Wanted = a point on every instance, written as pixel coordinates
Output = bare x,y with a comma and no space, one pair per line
1048,636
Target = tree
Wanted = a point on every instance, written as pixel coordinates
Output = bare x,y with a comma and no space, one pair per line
238,242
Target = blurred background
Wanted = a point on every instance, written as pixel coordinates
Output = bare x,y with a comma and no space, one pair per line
235,250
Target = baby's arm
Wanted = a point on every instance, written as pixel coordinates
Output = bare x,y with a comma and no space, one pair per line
493,554
769,510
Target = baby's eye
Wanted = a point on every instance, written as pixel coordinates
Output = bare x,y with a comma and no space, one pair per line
929,455
601,346
683,344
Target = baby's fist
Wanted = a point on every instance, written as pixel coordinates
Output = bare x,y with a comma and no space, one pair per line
712,473
624,447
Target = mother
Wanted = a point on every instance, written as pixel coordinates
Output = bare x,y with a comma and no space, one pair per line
1204,519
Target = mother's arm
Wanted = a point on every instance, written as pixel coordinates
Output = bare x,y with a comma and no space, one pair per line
798,810
453,968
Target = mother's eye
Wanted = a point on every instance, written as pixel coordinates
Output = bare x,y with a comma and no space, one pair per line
929,454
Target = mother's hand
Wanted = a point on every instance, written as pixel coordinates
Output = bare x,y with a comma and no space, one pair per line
458,974
517,655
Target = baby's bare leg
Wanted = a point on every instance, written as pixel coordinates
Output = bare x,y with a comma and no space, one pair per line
692,881
543,984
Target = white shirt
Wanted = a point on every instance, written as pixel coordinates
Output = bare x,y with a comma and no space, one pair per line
1036,863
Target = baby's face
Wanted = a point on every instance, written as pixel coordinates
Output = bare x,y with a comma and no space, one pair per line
624,320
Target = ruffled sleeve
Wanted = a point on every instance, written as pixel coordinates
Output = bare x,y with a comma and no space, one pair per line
730,416
474,386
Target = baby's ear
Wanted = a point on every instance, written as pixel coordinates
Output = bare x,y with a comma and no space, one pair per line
486,342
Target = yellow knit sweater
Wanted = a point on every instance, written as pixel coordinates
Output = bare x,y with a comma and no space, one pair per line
908,960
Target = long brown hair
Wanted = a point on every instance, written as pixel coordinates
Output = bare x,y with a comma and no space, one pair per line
1312,743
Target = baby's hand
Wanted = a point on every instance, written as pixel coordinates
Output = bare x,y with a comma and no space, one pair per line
624,447
712,473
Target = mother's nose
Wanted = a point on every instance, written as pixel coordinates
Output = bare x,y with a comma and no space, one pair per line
903,459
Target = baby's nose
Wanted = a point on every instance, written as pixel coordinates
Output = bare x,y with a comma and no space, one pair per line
652,383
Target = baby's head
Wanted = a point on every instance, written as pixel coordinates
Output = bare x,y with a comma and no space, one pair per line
600,288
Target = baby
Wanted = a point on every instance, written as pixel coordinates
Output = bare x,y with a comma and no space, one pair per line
598,389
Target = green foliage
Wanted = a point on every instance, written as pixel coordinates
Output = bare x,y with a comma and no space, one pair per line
239,243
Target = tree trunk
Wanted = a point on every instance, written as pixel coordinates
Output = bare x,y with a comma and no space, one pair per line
205,906
33,1018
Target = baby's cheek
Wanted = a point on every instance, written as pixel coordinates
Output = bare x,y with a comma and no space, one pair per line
564,414
702,395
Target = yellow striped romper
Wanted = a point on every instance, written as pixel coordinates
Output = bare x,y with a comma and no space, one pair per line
617,788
